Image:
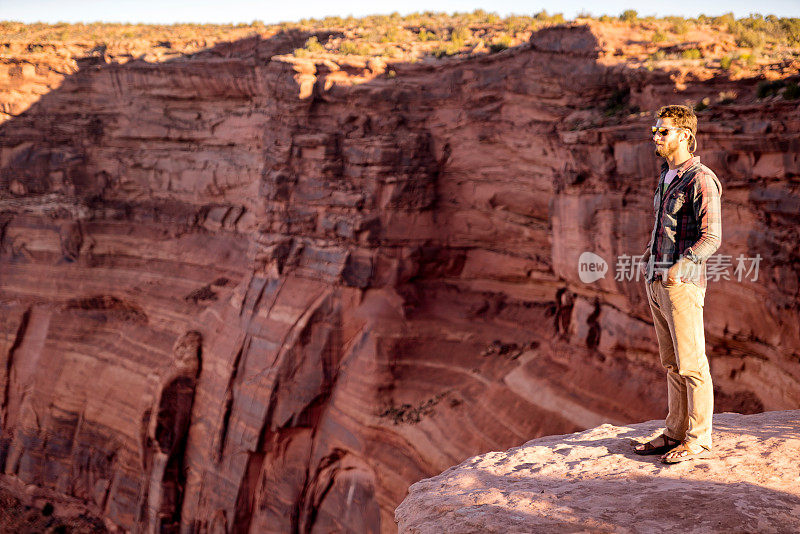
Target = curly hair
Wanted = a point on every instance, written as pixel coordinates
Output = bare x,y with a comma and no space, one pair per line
682,117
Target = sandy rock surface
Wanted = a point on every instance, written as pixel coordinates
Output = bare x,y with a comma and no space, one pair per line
592,482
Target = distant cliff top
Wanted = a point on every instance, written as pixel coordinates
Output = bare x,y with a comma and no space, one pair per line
739,46
760,48
592,482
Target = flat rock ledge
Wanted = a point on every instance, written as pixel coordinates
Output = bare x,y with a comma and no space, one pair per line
591,481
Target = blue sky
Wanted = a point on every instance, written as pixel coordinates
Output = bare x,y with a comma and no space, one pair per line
223,11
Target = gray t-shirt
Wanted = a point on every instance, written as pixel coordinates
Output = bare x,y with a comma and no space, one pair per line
672,173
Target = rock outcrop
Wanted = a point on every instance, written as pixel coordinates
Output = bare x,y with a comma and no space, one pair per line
592,482
242,291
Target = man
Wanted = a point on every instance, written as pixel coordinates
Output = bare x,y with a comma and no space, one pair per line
687,231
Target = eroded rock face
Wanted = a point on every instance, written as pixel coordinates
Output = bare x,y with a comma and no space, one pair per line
229,308
592,481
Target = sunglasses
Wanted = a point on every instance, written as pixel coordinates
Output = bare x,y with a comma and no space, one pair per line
664,130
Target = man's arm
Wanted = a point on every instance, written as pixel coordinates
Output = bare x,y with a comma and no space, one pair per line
708,211
707,208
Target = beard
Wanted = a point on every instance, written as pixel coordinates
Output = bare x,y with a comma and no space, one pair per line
667,149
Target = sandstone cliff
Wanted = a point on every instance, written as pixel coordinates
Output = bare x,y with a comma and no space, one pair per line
592,482
245,291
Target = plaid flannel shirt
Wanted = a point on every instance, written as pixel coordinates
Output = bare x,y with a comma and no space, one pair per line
688,220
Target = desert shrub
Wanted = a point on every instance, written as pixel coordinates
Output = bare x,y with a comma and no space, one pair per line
791,28
629,16
680,27
458,39
503,42
724,20
748,57
658,37
748,38
756,30
766,89
658,55
727,97
460,36
331,22
392,34
692,53
447,49
617,102
725,62
390,51
313,45
481,16
351,48
425,35
543,17
789,90
517,23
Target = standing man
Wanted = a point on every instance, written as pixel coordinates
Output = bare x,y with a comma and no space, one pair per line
687,231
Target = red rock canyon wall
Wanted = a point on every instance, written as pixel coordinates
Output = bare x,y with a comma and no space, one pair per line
227,308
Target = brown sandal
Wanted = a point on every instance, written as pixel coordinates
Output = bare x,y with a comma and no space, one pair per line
649,449
684,453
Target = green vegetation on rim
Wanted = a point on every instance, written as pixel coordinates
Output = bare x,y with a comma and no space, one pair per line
427,33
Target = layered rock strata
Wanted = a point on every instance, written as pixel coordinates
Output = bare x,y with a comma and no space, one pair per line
241,292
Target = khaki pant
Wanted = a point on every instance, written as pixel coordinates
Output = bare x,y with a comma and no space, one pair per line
678,317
